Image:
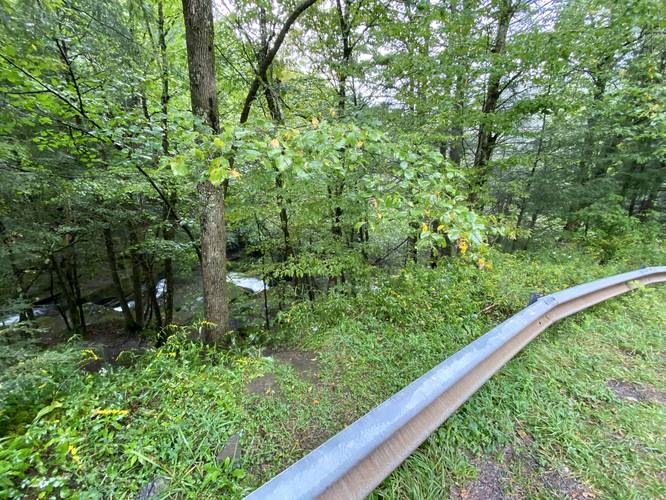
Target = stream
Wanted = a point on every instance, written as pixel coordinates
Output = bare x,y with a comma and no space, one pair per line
247,283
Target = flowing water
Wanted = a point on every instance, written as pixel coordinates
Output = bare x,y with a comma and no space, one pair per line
247,283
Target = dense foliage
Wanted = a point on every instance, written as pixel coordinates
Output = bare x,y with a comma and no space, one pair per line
439,125
167,417
356,156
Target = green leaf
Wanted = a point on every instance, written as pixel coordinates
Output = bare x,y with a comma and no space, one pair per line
217,175
48,409
179,166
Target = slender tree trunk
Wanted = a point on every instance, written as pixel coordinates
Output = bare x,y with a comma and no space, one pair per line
487,136
455,149
135,262
271,93
130,324
61,311
151,286
63,274
531,227
589,147
68,275
169,278
199,35
170,219
22,290
530,179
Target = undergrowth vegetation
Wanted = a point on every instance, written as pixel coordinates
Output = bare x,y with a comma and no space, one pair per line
165,419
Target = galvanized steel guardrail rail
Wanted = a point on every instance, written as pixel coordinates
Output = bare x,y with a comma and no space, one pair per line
357,459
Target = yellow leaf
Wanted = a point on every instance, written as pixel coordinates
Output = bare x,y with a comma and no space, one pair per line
315,122
234,173
275,143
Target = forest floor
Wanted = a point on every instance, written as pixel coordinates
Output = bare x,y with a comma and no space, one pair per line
579,413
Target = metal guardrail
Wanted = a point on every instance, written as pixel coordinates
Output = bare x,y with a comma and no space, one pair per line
357,459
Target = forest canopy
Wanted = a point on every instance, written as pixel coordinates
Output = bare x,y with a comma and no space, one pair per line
315,139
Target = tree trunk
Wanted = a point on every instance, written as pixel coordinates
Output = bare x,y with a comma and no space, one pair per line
137,289
487,137
213,246
68,275
130,324
170,220
28,313
530,180
199,37
151,286
456,147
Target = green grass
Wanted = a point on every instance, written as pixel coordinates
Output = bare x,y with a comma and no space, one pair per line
555,393
550,405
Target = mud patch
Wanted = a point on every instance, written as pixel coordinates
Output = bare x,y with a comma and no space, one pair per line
630,391
311,437
518,475
631,352
305,364
563,484
634,443
112,346
264,385
489,484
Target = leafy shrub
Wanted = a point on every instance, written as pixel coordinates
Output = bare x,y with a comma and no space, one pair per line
117,430
614,235
31,383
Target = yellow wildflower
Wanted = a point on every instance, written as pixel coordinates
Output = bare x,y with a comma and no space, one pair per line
74,454
315,122
108,412
275,143
424,227
462,246
91,354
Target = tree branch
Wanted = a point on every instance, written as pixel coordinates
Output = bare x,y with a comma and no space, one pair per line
260,76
